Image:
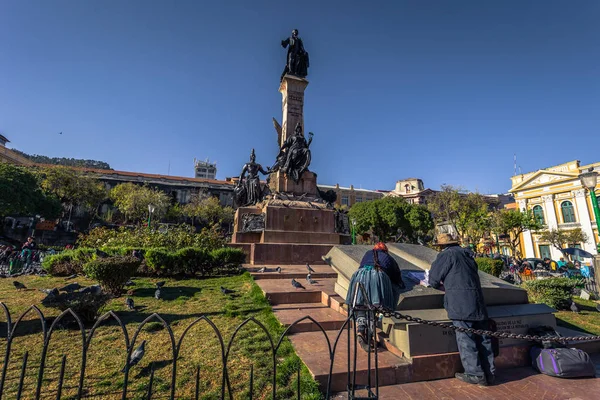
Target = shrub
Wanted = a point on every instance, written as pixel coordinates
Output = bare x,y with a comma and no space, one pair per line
191,260
228,259
86,305
490,266
62,264
112,272
555,292
159,260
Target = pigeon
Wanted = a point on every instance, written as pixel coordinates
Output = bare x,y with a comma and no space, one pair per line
296,284
263,269
160,284
157,294
50,296
598,308
309,280
129,303
129,283
226,291
278,269
310,270
136,356
19,285
101,254
574,307
70,288
71,277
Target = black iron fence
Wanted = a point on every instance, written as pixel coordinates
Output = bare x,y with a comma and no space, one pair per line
57,380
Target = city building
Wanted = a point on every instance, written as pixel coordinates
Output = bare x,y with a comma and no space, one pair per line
558,200
348,196
412,190
9,156
205,169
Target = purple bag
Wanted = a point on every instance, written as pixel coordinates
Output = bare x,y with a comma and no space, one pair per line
563,362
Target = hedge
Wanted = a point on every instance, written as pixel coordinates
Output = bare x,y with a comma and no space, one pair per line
112,272
189,261
555,292
490,266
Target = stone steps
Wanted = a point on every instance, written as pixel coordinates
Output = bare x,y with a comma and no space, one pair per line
312,348
297,272
328,318
280,291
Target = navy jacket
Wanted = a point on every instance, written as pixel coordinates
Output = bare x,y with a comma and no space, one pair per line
457,270
387,264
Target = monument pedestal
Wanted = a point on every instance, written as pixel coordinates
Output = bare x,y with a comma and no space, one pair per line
307,185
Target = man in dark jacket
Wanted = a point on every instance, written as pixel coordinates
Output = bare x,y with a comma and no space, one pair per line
456,270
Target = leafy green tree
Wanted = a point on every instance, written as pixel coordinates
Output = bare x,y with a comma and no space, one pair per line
208,210
69,162
132,200
467,213
511,223
21,194
73,187
561,239
392,217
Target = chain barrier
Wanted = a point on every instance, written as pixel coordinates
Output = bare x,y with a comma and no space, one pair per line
501,335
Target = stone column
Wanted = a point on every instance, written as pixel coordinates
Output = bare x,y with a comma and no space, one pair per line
584,219
527,239
552,222
292,92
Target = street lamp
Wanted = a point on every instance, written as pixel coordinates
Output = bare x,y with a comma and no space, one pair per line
151,209
353,231
589,180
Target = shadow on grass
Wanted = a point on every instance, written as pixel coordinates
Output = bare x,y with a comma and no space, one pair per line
168,293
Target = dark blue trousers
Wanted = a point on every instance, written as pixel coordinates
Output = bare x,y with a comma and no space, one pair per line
476,353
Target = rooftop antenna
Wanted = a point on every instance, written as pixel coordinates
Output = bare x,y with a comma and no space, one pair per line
520,172
515,157
169,169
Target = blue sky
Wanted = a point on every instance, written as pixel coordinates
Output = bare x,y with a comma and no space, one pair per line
446,91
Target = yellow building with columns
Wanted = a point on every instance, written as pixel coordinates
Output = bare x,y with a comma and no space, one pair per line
558,200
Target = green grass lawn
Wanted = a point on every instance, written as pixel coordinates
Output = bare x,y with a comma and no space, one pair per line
586,320
185,301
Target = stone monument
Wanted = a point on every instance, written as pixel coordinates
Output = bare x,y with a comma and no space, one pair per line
289,221
507,304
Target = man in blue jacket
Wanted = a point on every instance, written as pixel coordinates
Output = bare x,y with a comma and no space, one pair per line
456,270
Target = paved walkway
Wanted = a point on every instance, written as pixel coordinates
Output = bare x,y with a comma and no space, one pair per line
515,384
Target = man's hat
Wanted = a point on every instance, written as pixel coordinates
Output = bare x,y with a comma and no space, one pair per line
445,239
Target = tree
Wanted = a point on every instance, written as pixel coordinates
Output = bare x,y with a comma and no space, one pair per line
558,238
467,213
392,217
21,194
70,162
208,210
133,200
73,187
511,223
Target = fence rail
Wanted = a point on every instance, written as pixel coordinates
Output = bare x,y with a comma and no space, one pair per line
349,328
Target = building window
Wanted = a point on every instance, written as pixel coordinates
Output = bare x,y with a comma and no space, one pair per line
538,214
359,199
345,201
567,212
544,252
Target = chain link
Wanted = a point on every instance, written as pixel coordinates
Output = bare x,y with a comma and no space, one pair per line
501,335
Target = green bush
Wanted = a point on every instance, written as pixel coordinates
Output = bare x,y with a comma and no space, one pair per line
191,260
87,306
159,260
112,272
62,264
228,257
490,266
555,292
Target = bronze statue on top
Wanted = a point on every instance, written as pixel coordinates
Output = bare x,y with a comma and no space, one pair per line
294,156
297,58
248,190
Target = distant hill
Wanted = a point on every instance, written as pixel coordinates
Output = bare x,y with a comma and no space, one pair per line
68,162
